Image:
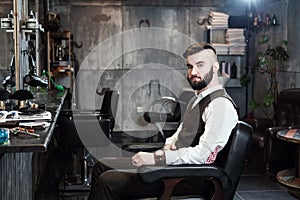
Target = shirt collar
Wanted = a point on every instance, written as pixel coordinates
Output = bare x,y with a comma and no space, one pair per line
205,93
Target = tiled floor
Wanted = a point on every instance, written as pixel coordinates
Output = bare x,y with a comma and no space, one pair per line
261,187
254,183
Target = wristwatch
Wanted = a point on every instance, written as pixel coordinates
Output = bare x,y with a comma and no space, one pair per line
159,157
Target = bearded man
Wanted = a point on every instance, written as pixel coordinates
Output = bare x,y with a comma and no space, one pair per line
205,129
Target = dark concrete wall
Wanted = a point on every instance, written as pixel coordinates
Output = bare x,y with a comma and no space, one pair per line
134,54
94,23
287,73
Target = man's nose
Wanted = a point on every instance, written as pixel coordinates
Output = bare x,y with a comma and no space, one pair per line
195,71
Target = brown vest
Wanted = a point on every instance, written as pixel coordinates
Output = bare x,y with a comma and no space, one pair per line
193,126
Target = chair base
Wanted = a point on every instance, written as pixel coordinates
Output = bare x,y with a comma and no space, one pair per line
63,187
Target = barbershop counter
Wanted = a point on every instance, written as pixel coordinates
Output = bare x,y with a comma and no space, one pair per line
23,157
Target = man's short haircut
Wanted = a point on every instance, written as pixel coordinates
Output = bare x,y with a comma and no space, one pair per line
195,48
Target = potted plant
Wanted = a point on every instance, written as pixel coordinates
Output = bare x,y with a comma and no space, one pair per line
268,63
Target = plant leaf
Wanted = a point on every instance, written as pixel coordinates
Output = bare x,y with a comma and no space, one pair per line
268,100
253,104
281,54
245,80
263,61
265,39
285,42
271,52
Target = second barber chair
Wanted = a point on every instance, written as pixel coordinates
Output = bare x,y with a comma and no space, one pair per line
162,119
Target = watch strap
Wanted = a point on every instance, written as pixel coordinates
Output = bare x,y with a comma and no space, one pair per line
159,157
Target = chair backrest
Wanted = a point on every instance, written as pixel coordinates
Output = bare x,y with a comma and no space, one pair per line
177,110
73,126
233,155
109,106
92,132
287,110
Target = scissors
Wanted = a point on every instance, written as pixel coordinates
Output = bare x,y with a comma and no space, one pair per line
18,130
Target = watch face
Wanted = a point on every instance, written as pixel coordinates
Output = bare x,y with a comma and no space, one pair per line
159,157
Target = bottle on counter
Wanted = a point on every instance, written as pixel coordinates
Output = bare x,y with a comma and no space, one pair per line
274,20
44,77
233,72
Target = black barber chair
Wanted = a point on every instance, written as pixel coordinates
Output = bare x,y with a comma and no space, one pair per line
73,126
162,119
266,146
109,106
224,174
174,116
73,122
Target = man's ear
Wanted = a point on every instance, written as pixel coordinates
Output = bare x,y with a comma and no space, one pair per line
216,67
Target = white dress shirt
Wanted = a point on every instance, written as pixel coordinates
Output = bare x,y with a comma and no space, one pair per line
220,117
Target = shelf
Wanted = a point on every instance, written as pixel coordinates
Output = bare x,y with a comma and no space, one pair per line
229,82
60,57
217,37
233,83
60,35
221,54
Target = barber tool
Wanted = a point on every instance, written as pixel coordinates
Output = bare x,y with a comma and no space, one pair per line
35,125
22,96
34,81
4,96
9,81
37,106
32,22
31,78
7,23
4,135
19,130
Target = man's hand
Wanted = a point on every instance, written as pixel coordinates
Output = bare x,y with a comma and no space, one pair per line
143,158
170,147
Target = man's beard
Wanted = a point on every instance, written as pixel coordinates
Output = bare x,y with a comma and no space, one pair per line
202,84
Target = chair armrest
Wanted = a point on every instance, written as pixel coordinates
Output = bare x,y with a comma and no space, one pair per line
164,101
271,131
148,147
150,174
102,115
153,117
264,123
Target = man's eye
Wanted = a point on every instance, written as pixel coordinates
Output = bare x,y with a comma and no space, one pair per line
189,67
200,65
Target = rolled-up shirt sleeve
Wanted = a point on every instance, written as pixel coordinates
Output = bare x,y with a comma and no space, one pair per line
174,137
220,118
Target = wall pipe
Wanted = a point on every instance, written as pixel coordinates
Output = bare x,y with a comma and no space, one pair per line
16,37
37,41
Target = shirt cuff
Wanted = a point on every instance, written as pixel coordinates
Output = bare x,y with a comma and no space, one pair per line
171,157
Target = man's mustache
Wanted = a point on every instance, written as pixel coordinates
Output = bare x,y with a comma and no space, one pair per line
192,77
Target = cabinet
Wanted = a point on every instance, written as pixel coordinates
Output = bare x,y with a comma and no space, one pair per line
60,58
231,50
